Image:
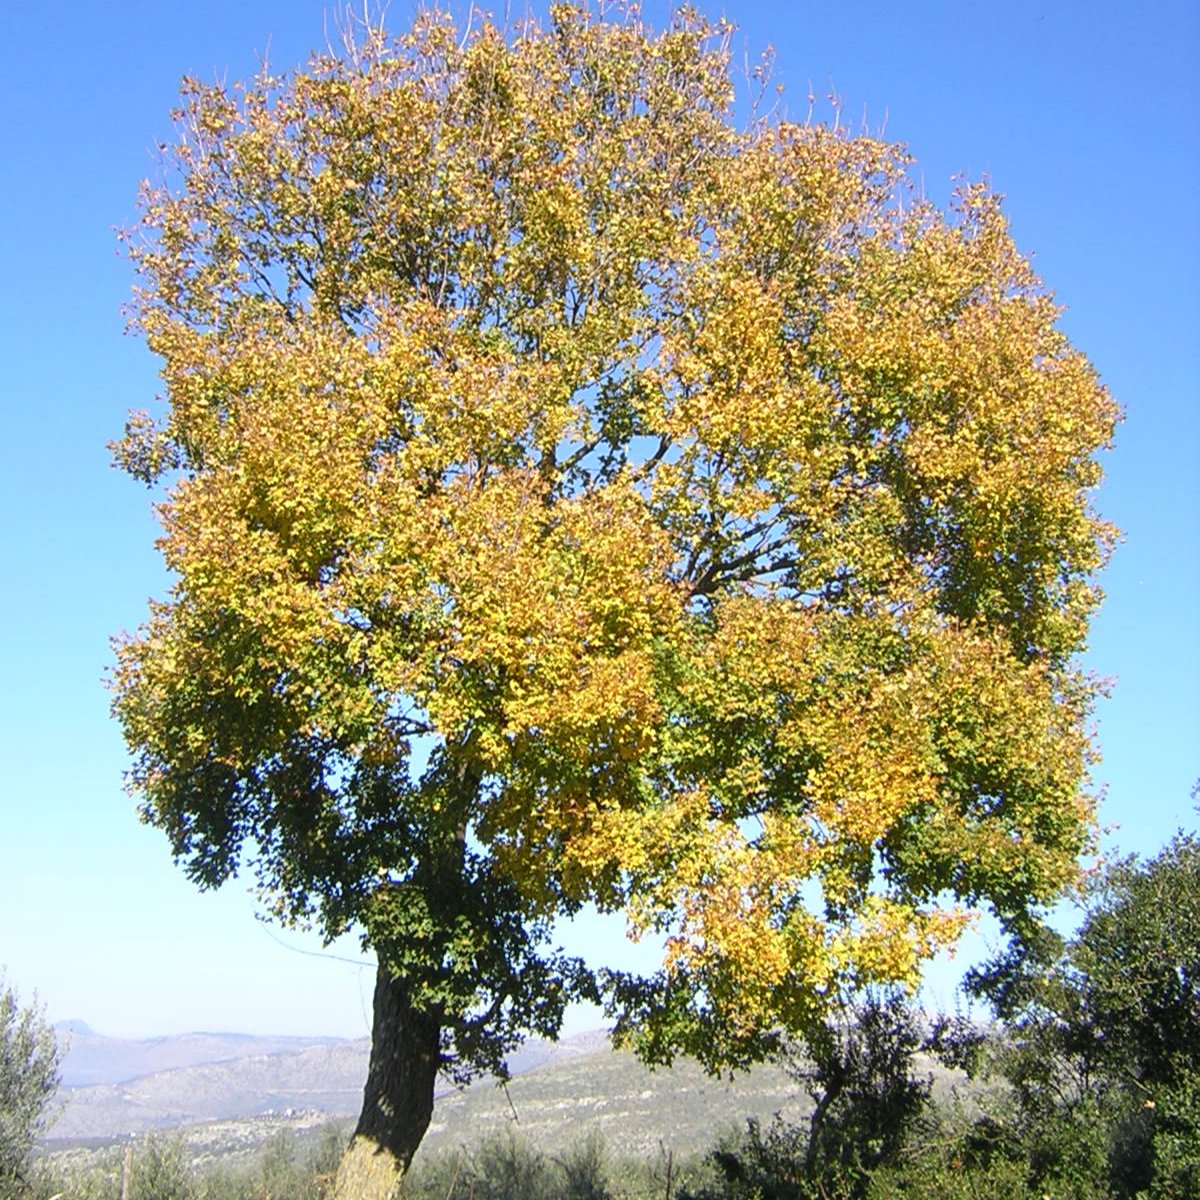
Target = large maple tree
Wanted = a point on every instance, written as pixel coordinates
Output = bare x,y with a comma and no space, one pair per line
574,495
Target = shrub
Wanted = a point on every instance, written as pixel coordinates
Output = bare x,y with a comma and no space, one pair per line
161,1170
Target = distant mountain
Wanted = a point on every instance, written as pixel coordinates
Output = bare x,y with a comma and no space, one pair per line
235,1078
559,1092
113,1086
82,1028
91,1058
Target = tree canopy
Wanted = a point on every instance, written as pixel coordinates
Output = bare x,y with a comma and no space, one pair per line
576,495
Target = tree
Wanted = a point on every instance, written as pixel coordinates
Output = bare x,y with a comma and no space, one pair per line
574,497
1105,1028
867,1093
868,1097
29,1057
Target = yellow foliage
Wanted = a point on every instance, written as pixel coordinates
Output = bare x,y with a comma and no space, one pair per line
712,515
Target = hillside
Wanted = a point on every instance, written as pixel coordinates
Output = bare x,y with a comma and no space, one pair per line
327,1078
593,1089
559,1092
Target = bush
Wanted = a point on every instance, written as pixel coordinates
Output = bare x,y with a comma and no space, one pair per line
585,1170
1175,1143
284,1174
946,1176
162,1170
866,1094
508,1167
502,1167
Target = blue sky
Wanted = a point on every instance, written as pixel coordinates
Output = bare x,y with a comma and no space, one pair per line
1085,115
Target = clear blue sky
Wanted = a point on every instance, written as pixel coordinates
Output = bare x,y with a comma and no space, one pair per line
1085,114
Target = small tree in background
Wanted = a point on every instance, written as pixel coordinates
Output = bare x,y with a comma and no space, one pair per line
29,1059
868,1094
866,1089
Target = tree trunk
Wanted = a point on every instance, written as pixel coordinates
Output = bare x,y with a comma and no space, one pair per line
398,1098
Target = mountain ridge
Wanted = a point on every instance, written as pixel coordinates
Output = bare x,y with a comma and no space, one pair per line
90,1058
579,1084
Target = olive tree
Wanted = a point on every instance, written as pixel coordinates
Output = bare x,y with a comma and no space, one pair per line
29,1058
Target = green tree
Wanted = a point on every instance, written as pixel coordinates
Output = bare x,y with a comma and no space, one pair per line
867,1091
29,1058
573,497
1105,1030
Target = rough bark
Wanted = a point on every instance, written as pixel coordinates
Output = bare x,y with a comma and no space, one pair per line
398,1098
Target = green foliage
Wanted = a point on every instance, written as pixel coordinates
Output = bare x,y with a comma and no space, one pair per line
159,1168
504,1166
860,1073
946,1176
585,1167
283,1171
29,1058
507,1167
94,1183
1103,1045
162,1170
1175,1142
1138,961
767,1164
